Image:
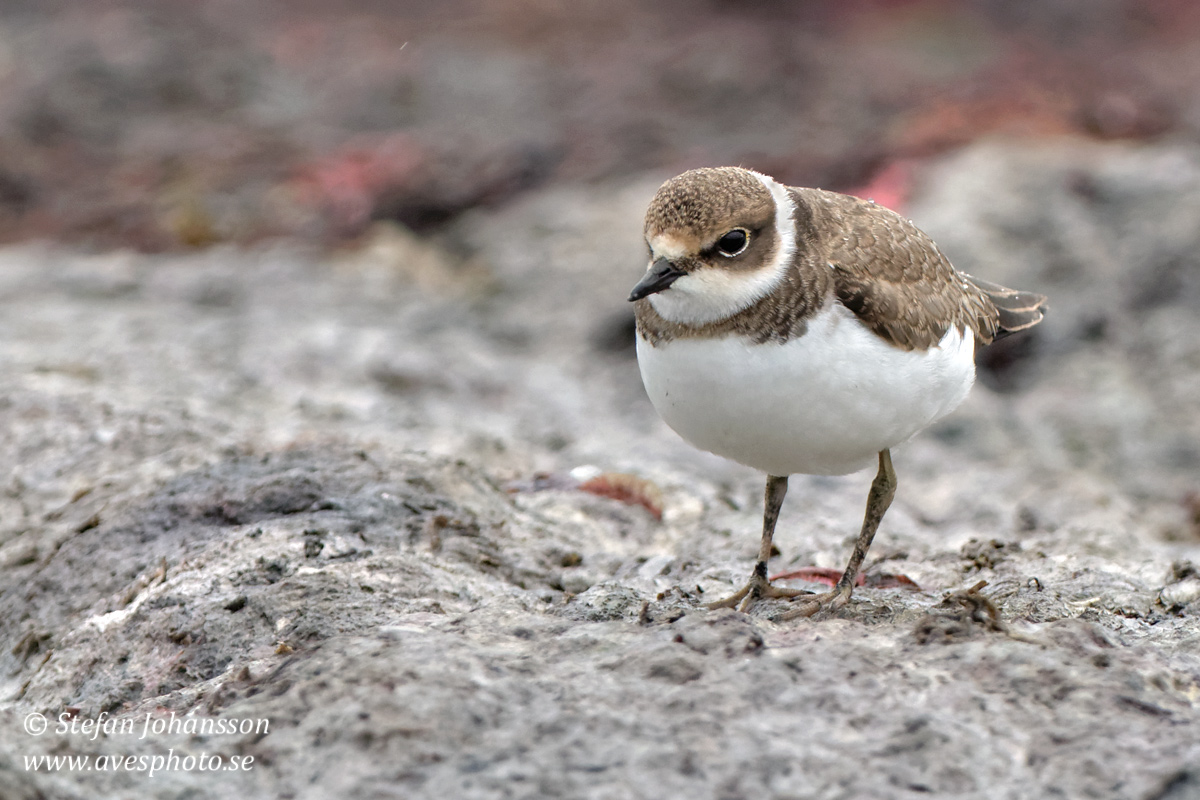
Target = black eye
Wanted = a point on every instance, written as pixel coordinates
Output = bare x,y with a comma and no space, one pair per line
733,242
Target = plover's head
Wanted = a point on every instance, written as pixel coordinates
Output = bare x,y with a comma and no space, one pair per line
720,240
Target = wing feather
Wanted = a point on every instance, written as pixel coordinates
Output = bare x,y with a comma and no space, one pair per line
896,280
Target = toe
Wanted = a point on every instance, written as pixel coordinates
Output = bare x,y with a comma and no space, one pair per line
803,608
732,600
839,597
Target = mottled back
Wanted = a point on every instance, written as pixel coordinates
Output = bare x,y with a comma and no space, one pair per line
893,277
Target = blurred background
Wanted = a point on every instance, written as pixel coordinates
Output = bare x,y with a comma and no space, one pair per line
315,355
183,123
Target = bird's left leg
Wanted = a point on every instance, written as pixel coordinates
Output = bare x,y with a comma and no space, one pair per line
883,489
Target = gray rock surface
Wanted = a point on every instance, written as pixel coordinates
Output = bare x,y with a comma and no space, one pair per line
338,493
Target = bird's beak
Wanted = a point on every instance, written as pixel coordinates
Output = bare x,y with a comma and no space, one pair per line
662,273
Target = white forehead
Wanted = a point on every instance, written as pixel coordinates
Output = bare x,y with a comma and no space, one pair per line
671,247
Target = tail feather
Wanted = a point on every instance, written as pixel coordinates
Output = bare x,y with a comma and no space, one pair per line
1017,310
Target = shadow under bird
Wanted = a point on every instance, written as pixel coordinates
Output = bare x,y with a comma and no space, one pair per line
804,331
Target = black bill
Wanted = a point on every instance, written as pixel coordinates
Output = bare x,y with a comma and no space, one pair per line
662,274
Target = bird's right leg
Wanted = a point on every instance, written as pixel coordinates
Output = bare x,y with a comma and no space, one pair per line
758,586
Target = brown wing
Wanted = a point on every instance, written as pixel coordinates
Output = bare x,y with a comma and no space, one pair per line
894,278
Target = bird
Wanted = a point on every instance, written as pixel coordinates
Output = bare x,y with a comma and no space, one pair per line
803,331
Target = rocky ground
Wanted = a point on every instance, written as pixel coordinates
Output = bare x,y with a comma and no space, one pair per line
342,494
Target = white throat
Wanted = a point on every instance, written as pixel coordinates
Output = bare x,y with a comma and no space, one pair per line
710,294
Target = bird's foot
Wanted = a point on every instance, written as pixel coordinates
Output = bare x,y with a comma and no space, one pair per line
757,588
828,601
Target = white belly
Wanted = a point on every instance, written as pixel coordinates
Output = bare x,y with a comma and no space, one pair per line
823,404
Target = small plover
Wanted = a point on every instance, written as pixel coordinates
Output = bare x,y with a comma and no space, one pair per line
803,331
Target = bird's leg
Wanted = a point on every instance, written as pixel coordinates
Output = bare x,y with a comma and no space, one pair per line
883,489
758,586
